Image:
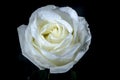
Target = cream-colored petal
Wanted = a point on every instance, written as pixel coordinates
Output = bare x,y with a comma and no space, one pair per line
83,31
71,51
85,38
66,25
72,13
65,42
67,56
49,55
61,69
73,20
45,13
35,62
33,28
35,13
65,16
48,15
21,31
35,56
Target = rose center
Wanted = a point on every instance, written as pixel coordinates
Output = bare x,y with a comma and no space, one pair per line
54,33
52,30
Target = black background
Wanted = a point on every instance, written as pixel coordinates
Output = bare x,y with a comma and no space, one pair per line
94,65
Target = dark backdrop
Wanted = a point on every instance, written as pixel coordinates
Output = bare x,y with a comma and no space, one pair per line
92,66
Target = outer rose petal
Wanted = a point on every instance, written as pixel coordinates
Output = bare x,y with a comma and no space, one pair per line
85,39
21,32
48,7
74,17
62,69
72,13
47,10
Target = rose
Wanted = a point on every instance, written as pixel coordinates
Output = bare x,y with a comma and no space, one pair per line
55,38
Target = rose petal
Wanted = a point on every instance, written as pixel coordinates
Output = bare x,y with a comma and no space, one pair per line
72,13
71,51
33,28
64,16
66,25
65,42
67,56
35,13
36,57
21,31
32,59
45,13
61,69
85,37
49,55
84,32
74,17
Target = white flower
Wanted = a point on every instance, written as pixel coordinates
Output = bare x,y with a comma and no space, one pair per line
55,38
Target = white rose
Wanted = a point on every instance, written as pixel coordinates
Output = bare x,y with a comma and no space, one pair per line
55,38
